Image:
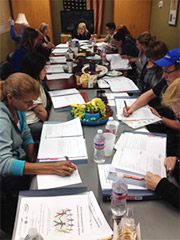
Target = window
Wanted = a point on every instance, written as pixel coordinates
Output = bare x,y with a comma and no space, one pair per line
4,15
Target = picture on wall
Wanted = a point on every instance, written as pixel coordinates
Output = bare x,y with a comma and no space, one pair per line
173,12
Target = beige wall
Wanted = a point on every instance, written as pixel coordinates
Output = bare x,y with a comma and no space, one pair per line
159,25
108,13
7,45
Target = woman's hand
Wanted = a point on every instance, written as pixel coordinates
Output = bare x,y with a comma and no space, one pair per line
132,60
154,112
170,163
152,180
63,168
127,111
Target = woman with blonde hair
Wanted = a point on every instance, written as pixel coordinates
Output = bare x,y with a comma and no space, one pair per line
44,29
161,186
81,33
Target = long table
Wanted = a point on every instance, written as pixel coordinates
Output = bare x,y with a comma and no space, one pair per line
158,219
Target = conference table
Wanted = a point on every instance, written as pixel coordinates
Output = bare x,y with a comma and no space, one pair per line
158,219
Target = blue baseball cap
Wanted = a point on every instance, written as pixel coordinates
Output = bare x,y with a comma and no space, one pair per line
172,57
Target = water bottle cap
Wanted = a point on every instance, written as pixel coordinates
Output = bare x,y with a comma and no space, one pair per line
111,118
32,232
99,131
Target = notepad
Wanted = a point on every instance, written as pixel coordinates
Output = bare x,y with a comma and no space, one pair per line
58,76
121,84
62,139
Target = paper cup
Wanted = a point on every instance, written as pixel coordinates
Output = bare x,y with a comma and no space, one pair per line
109,143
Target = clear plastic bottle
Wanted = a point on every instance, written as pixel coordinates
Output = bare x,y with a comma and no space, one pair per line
99,145
69,51
33,235
111,126
119,195
104,57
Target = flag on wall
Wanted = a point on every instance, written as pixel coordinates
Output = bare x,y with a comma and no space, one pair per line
97,5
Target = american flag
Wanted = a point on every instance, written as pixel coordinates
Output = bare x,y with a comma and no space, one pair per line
96,5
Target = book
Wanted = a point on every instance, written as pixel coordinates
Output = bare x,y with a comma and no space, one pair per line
68,213
135,192
62,139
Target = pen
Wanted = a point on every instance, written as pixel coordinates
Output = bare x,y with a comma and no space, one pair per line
125,105
67,160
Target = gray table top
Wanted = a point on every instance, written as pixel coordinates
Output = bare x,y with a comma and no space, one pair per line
158,219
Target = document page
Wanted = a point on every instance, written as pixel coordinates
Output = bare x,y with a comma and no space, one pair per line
56,68
121,84
60,217
63,92
55,181
117,62
59,51
57,59
56,148
99,226
139,114
62,45
58,76
64,101
139,153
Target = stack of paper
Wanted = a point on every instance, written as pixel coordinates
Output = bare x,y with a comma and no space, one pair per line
64,98
76,217
62,45
111,97
56,68
62,139
117,62
139,118
138,153
58,76
57,59
121,84
59,51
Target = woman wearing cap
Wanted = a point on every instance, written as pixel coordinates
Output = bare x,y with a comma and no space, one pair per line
81,33
163,187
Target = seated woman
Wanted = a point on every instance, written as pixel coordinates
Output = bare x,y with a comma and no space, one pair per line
125,45
27,44
44,29
81,33
151,74
110,29
17,94
34,64
142,43
163,187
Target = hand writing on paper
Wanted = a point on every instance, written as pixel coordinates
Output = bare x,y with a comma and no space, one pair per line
152,180
154,112
170,163
63,168
127,111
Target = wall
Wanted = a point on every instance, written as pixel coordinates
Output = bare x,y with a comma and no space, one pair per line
108,13
159,25
7,45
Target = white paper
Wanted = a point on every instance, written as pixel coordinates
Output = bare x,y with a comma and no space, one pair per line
134,154
59,51
56,148
121,84
65,129
55,181
63,92
99,226
139,114
102,84
62,45
55,76
56,68
140,123
67,100
116,62
61,217
57,59
111,96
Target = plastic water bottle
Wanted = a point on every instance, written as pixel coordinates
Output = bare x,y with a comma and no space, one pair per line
99,145
111,126
33,235
103,57
119,195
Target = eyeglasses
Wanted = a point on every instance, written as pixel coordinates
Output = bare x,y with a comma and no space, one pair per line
165,72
